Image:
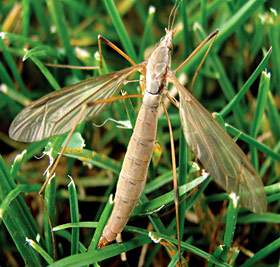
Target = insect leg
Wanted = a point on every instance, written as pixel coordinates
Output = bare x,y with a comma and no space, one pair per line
109,43
202,61
106,41
209,37
175,182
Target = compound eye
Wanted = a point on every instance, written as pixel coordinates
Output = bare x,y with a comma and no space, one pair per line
162,39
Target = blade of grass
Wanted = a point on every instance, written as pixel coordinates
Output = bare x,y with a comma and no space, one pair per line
120,29
230,106
259,112
252,141
74,211
39,11
273,116
228,29
25,17
10,61
102,222
230,224
184,157
92,157
261,254
146,34
40,250
18,220
58,17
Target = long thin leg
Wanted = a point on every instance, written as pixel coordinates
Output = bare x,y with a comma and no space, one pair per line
123,54
106,41
175,182
201,62
209,37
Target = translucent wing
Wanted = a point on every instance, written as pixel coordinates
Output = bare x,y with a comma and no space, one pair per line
218,153
56,113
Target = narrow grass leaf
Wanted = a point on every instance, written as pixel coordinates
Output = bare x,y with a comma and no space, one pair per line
94,158
261,254
44,22
250,140
10,61
260,107
66,235
273,116
233,102
22,188
74,212
49,198
130,111
40,250
167,198
17,219
230,224
268,217
146,34
25,17
101,224
45,72
15,95
58,17
100,254
119,26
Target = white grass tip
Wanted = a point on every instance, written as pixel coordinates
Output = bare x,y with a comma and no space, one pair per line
30,242
152,10
154,238
274,11
20,156
267,74
111,200
197,26
89,165
81,53
195,166
97,56
2,35
38,237
234,198
4,88
205,174
53,29
71,181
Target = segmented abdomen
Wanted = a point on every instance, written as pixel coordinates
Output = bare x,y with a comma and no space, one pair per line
133,175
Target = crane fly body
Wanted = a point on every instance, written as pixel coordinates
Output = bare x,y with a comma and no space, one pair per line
220,156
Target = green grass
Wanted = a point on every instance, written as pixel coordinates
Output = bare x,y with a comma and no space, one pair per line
239,80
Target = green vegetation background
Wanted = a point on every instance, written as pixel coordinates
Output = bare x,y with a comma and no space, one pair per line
34,32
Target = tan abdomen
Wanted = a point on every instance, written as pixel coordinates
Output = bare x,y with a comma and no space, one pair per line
133,175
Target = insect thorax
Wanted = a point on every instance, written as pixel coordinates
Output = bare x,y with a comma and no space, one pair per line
157,66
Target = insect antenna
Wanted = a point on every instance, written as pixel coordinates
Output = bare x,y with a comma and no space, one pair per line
173,14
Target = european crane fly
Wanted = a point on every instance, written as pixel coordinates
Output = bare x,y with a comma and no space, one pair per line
227,164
